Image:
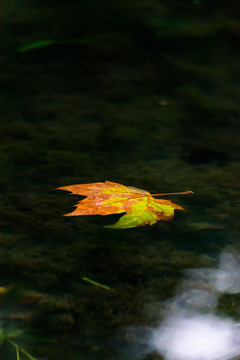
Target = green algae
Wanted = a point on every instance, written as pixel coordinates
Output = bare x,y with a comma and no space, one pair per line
35,45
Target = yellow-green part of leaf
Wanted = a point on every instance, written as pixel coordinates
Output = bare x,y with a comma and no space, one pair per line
144,212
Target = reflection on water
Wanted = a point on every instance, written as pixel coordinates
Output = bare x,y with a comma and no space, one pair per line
191,330
194,336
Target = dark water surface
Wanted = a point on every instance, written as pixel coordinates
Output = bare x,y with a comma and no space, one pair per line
145,94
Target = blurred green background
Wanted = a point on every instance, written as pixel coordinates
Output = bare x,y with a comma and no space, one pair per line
144,93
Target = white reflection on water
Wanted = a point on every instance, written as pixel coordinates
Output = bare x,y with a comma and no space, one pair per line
227,277
190,330
193,336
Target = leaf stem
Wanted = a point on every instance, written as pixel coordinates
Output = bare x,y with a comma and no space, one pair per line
136,196
176,193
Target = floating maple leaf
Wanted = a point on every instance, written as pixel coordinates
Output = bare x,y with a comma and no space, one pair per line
107,198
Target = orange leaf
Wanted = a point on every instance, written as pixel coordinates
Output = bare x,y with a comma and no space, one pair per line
107,198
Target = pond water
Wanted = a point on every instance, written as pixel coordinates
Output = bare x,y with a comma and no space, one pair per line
144,94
